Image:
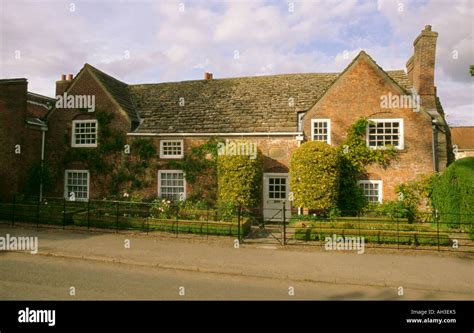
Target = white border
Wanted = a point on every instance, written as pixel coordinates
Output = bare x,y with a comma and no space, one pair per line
379,182
171,156
321,120
73,133
265,134
168,171
66,194
401,141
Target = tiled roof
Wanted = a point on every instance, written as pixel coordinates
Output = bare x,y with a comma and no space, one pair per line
247,104
463,137
118,90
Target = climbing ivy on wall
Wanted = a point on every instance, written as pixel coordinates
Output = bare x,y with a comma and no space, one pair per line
200,168
111,143
355,156
108,163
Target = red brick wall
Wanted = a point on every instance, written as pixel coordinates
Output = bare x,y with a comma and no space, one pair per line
276,151
12,119
60,130
357,94
13,131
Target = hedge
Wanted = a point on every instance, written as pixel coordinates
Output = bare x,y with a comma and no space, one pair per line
239,179
314,176
453,194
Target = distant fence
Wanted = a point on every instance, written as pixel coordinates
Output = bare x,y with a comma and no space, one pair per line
285,227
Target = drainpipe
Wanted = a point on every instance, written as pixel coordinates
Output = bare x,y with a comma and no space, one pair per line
433,145
299,138
43,132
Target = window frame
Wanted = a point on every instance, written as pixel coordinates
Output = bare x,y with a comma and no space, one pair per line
380,188
73,134
160,172
321,120
66,192
171,156
401,134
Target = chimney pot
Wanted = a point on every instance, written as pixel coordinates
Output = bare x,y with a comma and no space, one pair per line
69,77
428,27
63,77
208,76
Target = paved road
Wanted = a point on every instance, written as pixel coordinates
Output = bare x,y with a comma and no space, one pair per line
100,266
26,276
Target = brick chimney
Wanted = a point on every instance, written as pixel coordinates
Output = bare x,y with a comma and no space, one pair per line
208,76
421,65
63,84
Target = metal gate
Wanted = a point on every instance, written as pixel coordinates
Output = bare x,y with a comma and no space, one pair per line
272,229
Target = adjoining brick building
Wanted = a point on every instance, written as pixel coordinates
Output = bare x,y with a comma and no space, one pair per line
22,126
276,112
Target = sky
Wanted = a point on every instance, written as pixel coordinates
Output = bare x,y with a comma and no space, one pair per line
150,41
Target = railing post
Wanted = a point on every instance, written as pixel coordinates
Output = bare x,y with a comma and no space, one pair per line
116,216
177,221
398,233
64,212
239,213
284,223
358,220
437,227
88,214
37,213
13,212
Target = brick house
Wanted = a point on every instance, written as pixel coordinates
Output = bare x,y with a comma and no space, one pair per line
276,112
22,128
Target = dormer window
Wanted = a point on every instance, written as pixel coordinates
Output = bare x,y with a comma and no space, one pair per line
84,133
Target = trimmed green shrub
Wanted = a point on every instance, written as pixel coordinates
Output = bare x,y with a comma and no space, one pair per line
373,230
239,179
453,194
314,176
394,208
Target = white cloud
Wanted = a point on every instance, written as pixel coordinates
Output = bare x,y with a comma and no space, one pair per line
166,44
